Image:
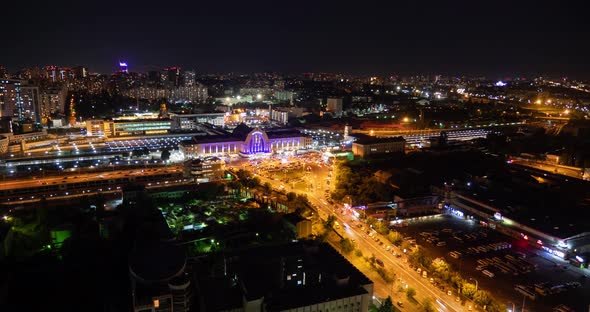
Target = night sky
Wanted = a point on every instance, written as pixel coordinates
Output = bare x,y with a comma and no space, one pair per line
496,39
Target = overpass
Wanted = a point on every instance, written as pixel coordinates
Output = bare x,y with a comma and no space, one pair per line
34,189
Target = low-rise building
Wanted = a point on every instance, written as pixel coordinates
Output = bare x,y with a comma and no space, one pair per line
252,142
186,122
301,276
297,224
366,146
108,128
205,170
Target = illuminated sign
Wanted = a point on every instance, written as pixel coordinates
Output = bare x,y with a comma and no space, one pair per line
580,259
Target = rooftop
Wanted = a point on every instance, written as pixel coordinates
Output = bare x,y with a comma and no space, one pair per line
288,276
365,139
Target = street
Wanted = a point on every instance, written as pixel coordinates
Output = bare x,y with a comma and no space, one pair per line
404,275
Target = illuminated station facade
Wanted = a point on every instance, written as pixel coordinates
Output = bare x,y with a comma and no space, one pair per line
246,142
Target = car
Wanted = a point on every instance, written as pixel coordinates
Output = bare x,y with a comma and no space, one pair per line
379,262
400,304
450,293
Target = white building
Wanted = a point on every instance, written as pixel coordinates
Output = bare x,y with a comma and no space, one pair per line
252,144
334,106
183,122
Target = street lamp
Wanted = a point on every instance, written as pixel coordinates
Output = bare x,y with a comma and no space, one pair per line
476,283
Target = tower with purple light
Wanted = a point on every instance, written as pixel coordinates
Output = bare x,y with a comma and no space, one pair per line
123,67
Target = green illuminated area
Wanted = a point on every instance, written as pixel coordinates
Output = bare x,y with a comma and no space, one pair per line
232,215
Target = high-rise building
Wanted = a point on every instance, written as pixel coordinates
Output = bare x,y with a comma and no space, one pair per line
52,73
335,106
188,77
30,104
10,98
3,72
80,72
53,102
123,67
154,76
284,96
174,75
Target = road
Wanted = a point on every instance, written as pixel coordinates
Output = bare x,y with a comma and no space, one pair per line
550,168
441,301
83,177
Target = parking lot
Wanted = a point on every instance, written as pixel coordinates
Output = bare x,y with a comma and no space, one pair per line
509,268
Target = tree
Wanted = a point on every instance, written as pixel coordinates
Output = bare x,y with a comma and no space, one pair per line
405,245
387,276
468,290
381,228
441,268
254,182
329,223
386,306
291,196
394,237
410,293
494,307
267,187
165,155
358,253
346,245
427,305
482,297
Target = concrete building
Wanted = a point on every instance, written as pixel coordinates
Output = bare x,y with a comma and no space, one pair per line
565,238
30,103
284,96
300,226
185,122
10,98
301,276
80,72
108,128
248,143
334,106
205,170
53,101
281,115
366,146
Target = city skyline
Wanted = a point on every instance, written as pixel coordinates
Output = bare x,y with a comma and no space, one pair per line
494,40
294,156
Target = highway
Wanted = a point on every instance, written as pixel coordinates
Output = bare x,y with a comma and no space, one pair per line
550,168
441,301
84,177
16,192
